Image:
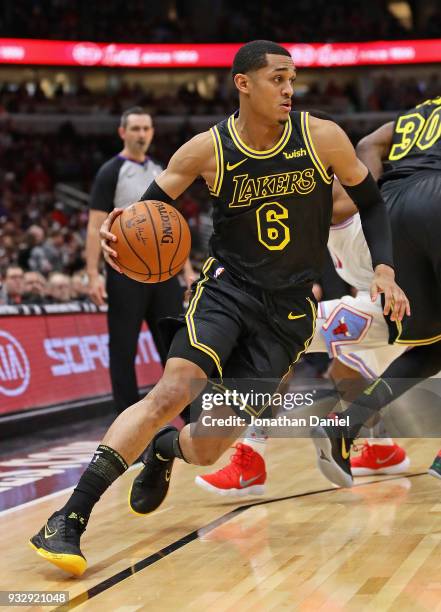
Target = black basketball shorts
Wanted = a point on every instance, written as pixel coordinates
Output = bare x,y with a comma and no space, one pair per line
414,207
234,330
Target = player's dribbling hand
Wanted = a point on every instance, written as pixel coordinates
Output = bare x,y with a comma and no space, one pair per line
107,239
395,300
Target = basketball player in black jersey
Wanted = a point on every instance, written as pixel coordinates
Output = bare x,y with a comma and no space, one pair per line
410,149
252,312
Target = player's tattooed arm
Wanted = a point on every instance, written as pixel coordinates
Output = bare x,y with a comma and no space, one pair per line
374,148
195,158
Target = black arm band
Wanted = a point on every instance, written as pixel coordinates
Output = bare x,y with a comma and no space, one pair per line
374,220
154,192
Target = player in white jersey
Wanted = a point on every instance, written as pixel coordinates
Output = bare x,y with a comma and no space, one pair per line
353,329
354,332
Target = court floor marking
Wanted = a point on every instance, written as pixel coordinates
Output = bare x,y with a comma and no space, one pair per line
191,537
33,502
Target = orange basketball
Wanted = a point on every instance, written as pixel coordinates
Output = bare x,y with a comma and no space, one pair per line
153,241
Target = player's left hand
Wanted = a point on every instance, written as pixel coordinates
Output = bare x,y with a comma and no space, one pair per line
395,300
107,238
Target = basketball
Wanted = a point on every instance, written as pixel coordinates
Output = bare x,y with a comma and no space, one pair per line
153,241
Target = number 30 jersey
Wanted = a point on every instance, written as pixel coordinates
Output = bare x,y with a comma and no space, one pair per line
272,209
416,143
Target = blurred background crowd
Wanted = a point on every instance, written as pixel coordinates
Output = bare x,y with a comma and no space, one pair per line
226,20
58,125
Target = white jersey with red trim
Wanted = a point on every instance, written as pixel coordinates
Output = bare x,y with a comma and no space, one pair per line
350,253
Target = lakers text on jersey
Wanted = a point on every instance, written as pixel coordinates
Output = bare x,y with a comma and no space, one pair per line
272,209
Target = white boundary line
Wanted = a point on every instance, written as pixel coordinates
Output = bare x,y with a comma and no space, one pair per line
33,502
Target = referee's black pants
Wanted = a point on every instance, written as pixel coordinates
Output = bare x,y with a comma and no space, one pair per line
131,303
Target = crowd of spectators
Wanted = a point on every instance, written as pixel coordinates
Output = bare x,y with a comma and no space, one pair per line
190,21
31,287
43,239
336,96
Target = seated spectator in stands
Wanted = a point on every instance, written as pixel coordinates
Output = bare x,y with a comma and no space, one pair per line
37,180
79,287
8,250
14,284
35,291
59,215
48,257
59,288
2,290
34,237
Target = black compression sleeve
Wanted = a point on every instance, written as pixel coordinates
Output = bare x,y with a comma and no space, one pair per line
154,192
374,220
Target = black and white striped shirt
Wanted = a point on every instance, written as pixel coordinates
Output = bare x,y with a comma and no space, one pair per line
121,181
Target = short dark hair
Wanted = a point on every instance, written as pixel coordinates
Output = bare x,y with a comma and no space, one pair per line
134,110
252,56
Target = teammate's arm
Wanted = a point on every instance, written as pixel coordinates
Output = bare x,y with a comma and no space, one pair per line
336,151
195,158
374,148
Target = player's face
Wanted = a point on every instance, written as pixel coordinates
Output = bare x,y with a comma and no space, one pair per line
271,88
138,133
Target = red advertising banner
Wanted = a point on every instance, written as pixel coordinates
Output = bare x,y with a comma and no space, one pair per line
316,55
52,359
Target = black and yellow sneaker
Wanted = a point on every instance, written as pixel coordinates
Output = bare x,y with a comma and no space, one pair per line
150,487
59,542
333,449
435,468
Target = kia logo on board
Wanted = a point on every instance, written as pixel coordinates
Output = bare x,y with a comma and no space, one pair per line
87,54
15,371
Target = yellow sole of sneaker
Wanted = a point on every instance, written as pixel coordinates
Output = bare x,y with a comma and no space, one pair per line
72,564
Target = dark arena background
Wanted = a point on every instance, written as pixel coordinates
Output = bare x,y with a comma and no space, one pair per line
68,71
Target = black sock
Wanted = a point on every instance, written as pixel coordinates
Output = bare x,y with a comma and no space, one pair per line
106,466
404,373
167,445
367,405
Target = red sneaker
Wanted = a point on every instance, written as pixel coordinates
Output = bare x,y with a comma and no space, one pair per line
380,459
244,475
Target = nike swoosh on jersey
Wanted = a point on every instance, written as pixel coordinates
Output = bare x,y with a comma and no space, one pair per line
245,483
233,166
381,461
344,453
167,475
291,316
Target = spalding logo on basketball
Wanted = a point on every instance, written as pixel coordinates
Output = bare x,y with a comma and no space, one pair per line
153,241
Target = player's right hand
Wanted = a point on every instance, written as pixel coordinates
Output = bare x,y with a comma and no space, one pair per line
97,290
107,239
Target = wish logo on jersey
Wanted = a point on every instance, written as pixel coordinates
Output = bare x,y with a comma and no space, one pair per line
345,325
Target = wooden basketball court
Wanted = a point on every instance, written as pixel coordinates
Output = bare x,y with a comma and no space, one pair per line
303,546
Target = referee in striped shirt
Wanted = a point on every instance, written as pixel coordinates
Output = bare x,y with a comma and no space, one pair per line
118,183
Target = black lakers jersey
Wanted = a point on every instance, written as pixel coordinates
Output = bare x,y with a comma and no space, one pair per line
272,209
416,143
